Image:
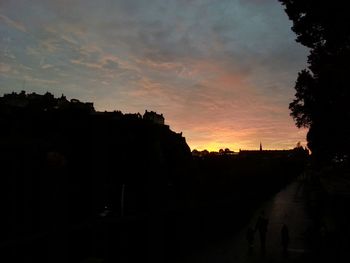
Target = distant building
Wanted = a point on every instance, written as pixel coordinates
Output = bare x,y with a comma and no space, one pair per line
154,117
62,103
15,100
87,106
132,116
264,153
44,102
196,153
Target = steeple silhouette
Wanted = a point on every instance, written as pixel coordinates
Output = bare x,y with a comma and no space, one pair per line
260,146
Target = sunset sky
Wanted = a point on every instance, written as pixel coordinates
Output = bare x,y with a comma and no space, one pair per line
222,72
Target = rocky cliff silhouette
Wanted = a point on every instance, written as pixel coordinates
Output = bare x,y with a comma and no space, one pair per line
62,162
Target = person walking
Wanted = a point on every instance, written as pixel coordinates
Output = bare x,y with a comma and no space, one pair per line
250,239
261,226
285,238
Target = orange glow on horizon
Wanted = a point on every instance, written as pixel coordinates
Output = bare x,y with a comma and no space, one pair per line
215,147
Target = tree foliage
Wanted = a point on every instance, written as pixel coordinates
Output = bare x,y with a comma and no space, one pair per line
322,90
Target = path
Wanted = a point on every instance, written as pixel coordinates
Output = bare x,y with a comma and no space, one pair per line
287,206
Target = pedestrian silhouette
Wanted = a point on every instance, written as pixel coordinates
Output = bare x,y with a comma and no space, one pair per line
323,237
250,239
261,226
285,238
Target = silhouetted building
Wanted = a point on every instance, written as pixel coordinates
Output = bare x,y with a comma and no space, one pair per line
154,117
87,106
133,116
268,153
47,102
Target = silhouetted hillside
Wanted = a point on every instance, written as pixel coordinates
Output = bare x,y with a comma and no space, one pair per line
64,163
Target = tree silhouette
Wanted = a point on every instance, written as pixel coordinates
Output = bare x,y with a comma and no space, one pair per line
322,94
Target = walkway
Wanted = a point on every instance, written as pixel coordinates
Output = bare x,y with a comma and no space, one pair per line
287,206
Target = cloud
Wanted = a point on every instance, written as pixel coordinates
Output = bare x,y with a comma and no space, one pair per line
4,68
31,79
47,66
220,71
14,24
110,64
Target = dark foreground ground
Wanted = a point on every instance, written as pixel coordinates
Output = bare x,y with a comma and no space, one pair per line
289,207
304,207
316,211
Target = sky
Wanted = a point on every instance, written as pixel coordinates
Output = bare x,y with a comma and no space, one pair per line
222,72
